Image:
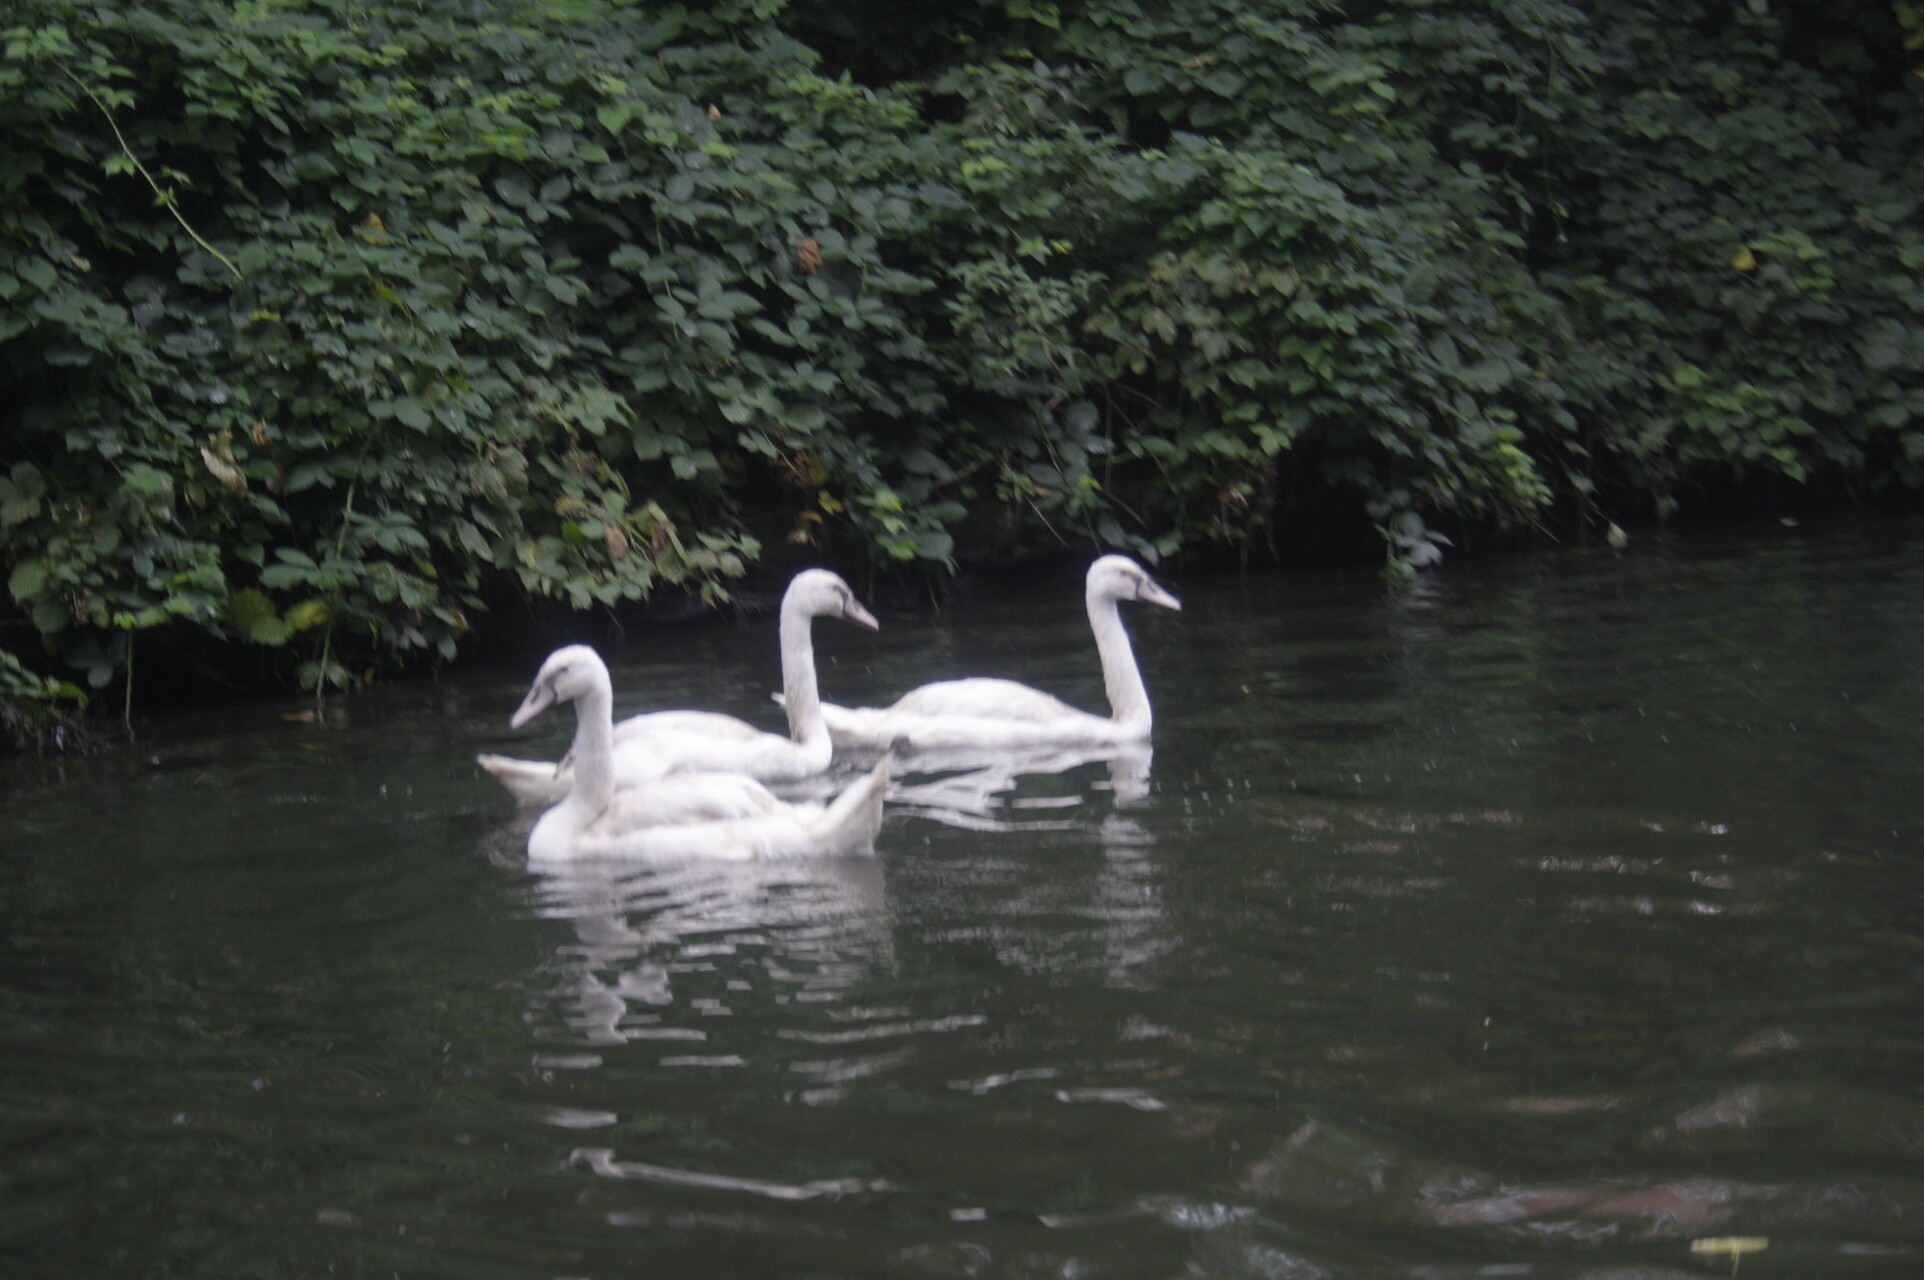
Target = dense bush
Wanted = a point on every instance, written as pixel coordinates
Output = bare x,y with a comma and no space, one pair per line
324,326
1743,268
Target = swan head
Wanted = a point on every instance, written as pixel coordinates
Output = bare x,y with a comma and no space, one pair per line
566,675
1120,578
818,593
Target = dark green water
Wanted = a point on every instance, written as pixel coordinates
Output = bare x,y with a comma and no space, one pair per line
1542,920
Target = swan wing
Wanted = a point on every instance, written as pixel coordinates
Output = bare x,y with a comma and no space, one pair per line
767,756
846,827
711,724
643,758
985,698
545,782
970,714
530,782
686,799
869,728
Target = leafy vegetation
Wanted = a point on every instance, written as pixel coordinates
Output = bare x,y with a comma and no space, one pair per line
326,327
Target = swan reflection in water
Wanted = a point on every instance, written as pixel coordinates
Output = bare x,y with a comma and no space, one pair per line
979,791
803,930
1030,891
808,930
656,957
783,975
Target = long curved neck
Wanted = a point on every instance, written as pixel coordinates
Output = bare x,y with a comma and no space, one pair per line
800,694
1128,700
555,831
594,780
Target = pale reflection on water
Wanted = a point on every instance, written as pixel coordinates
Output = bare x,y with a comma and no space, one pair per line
978,791
800,930
1555,918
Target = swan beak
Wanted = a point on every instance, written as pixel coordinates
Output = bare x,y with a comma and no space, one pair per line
861,617
1152,593
539,699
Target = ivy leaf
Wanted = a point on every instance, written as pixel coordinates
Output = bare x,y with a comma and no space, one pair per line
37,272
514,188
28,579
308,613
18,508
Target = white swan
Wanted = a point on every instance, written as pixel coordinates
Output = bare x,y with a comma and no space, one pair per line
982,713
662,742
694,816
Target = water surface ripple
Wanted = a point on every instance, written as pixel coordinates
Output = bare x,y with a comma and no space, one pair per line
1552,917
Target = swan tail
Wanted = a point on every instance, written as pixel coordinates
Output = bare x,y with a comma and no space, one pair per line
859,727
852,819
530,782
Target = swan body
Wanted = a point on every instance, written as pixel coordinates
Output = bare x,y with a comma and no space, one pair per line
659,743
717,816
983,713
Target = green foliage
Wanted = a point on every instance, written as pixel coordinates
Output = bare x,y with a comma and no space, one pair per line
1745,291
326,326
392,394
17,684
35,709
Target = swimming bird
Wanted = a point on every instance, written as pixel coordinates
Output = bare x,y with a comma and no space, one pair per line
725,816
663,742
989,713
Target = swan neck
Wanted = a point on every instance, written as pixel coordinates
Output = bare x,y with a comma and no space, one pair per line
1128,700
556,831
594,769
800,695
